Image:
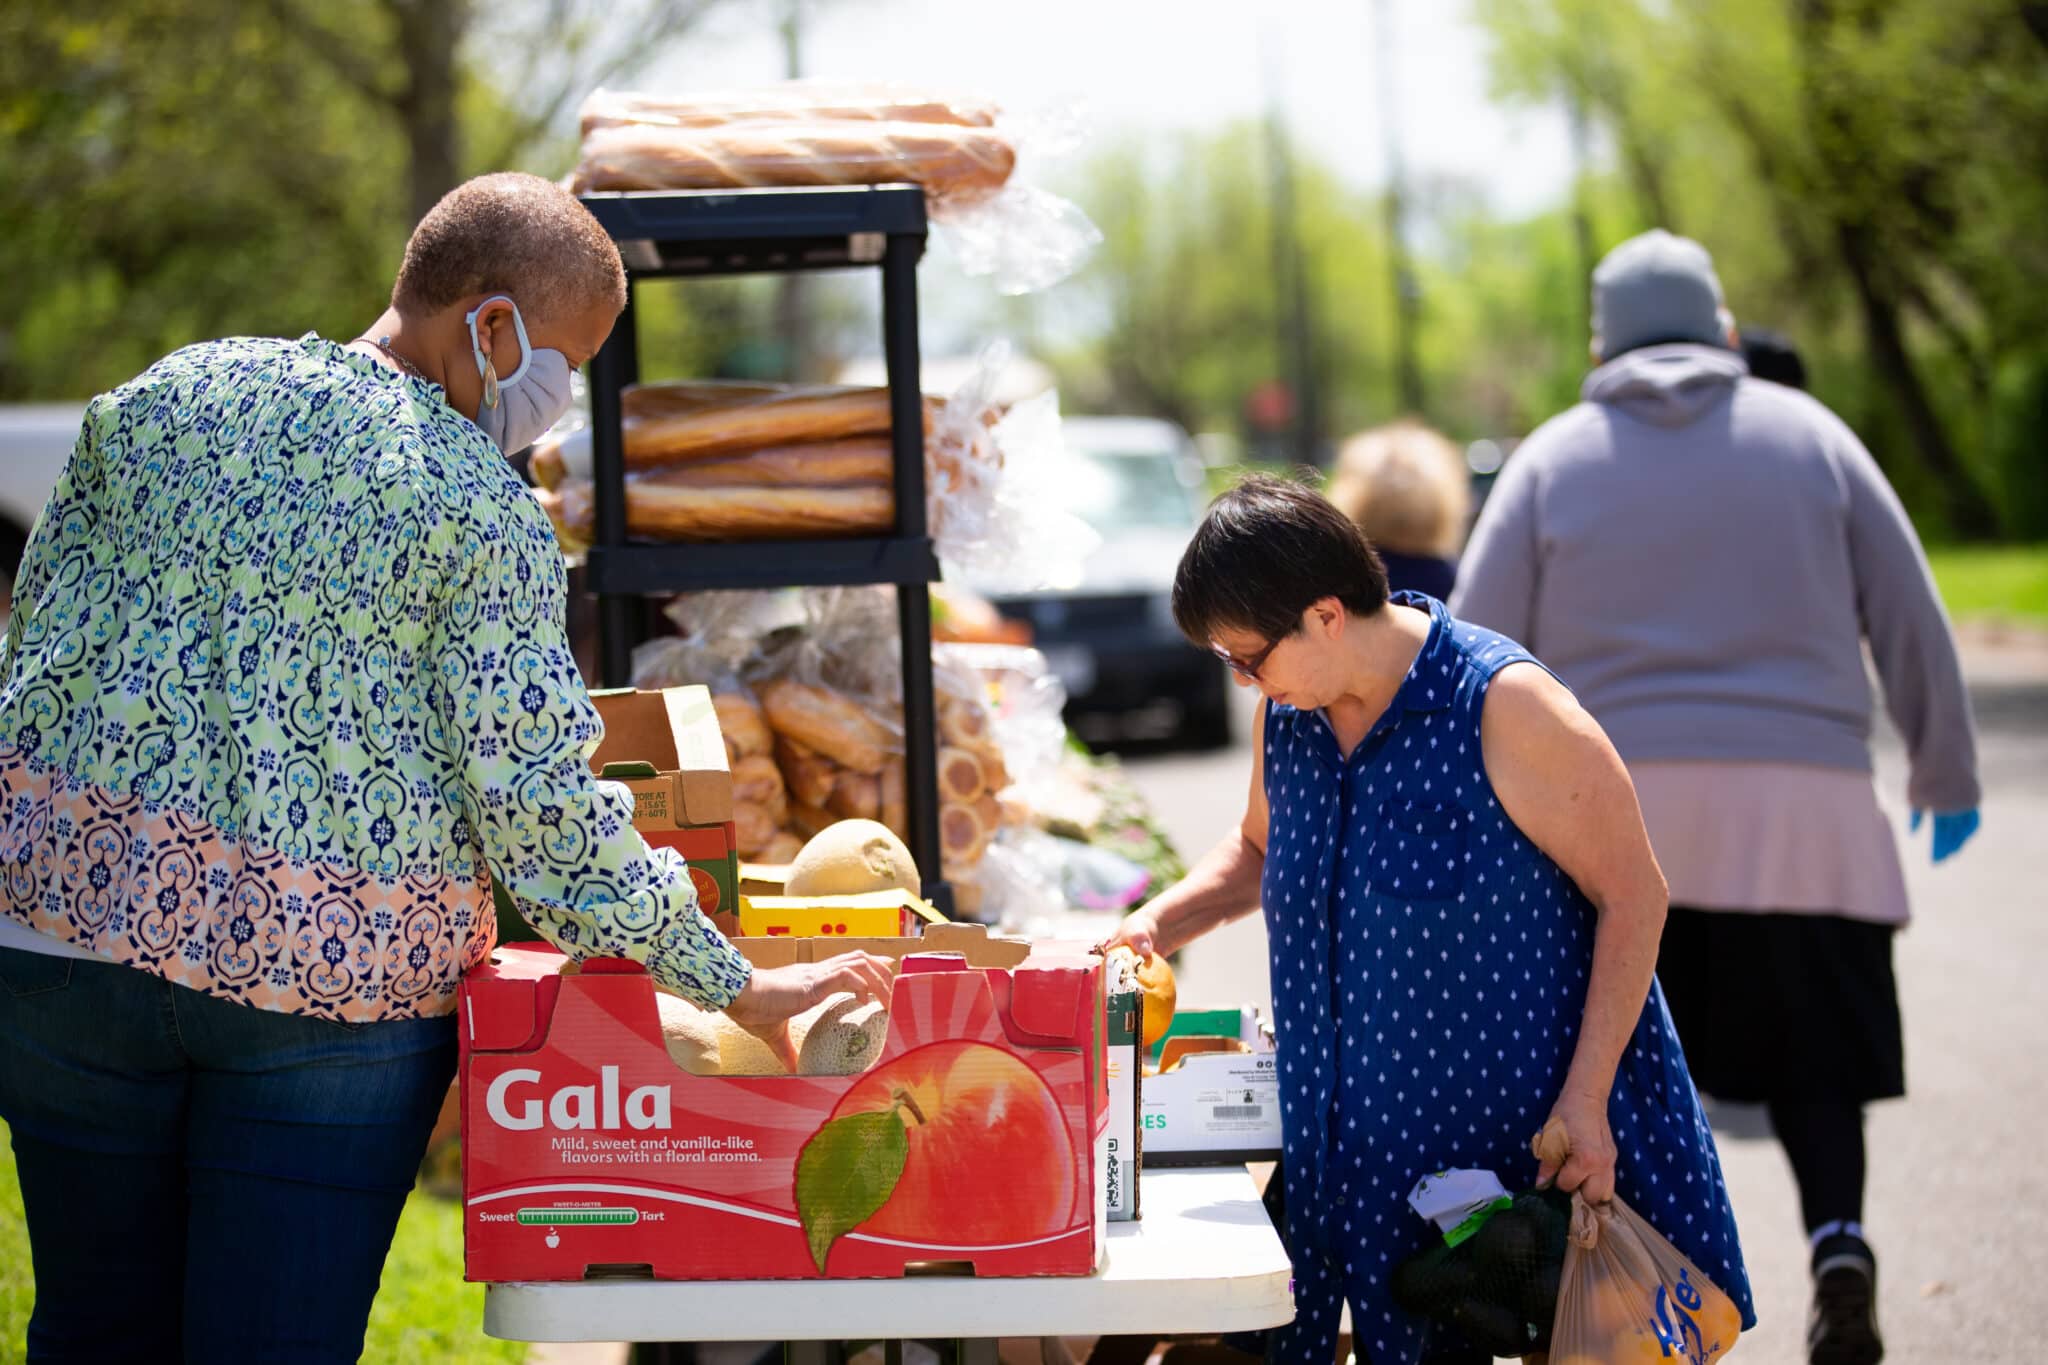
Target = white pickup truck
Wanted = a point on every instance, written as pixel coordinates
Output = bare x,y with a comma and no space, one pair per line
35,441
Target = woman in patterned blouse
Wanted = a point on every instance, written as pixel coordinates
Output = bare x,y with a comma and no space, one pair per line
286,683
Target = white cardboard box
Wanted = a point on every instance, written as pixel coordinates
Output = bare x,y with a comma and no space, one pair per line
1215,1108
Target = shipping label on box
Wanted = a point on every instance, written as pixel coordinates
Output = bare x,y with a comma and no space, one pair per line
1126,1074
973,1140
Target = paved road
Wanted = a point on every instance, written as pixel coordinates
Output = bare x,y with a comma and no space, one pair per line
1958,1206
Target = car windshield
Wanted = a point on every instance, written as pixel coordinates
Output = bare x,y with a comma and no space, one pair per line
1118,492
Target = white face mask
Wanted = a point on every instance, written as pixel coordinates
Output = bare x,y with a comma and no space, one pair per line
516,409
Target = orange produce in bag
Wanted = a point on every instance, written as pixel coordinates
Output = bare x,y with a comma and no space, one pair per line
1629,1297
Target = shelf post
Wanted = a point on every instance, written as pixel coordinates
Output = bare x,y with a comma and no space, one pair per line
616,364
913,601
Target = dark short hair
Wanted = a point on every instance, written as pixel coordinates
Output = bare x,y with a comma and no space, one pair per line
513,234
1772,356
1267,551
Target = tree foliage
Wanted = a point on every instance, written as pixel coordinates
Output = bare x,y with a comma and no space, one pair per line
1871,176
180,169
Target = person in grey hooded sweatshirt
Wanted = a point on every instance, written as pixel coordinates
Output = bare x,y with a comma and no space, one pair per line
1702,556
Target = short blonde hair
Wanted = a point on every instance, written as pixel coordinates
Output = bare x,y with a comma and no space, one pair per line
1406,486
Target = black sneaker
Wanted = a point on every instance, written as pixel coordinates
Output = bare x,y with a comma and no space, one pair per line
1843,1326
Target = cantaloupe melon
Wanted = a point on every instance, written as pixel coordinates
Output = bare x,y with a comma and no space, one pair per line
841,1037
690,1034
844,1039
850,857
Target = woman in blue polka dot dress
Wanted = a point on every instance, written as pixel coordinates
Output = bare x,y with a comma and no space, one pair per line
1463,913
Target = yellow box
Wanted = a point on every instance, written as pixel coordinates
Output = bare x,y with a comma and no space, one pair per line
877,914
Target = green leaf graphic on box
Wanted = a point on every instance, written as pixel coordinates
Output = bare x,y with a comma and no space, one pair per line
845,1173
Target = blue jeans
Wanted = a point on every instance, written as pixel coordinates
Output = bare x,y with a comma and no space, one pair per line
205,1181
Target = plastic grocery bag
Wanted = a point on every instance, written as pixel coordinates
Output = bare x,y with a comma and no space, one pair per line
1628,1297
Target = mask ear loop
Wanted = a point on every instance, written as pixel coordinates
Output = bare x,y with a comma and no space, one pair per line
484,369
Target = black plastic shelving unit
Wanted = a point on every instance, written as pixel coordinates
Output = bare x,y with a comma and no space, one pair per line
688,233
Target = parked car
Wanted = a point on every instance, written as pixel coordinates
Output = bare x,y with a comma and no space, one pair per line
35,441
1129,673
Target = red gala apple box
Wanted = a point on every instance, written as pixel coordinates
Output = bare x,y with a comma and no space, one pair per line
976,1140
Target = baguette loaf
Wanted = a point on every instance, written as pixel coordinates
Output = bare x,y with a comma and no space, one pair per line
948,160
756,781
824,464
741,725
856,796
660,430
663,512
754,828
791,101
809,774
895,800
827,724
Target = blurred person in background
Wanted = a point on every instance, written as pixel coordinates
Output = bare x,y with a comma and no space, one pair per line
1702,556
1407,488
1771,355
285,685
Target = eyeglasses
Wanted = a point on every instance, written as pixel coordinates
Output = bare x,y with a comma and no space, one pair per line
1248,669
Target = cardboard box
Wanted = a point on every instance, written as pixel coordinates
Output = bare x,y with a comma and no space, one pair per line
877,914
1216,1099
665,747
1126,1072
586,1151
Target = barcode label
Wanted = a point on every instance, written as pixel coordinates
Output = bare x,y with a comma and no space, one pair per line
1237,1111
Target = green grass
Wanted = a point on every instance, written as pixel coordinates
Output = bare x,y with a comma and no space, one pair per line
424,1314
1993,582
17,1280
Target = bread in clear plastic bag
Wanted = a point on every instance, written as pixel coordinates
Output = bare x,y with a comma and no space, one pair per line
791,101
958,147
950,162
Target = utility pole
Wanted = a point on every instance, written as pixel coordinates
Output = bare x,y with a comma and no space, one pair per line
1582,211
1296,351
1407,293
792,291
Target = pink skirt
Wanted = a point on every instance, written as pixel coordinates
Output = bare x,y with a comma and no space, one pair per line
1772,837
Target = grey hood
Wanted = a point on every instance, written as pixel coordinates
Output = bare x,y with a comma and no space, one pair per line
1666,386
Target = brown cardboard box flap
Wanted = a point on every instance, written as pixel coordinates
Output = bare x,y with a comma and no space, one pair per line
675,729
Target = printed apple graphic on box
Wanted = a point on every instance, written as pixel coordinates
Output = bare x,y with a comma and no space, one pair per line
909,1153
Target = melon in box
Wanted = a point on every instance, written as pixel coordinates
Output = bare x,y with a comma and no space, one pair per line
665,747
976,1139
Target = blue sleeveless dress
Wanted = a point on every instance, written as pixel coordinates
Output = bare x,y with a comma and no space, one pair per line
1429,973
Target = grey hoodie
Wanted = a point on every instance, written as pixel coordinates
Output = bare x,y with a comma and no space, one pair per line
1700,556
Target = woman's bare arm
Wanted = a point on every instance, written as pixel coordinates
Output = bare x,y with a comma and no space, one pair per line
1561,782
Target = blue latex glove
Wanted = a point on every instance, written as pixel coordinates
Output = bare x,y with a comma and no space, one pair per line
1952,829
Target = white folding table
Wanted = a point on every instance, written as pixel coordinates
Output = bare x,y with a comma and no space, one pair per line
1204,1259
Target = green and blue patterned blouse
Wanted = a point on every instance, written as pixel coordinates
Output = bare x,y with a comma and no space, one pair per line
287,681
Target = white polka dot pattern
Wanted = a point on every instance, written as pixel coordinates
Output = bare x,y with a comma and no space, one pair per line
1429,969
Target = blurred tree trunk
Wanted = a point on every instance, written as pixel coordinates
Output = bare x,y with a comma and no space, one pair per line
1880,276
1970,513
429,32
